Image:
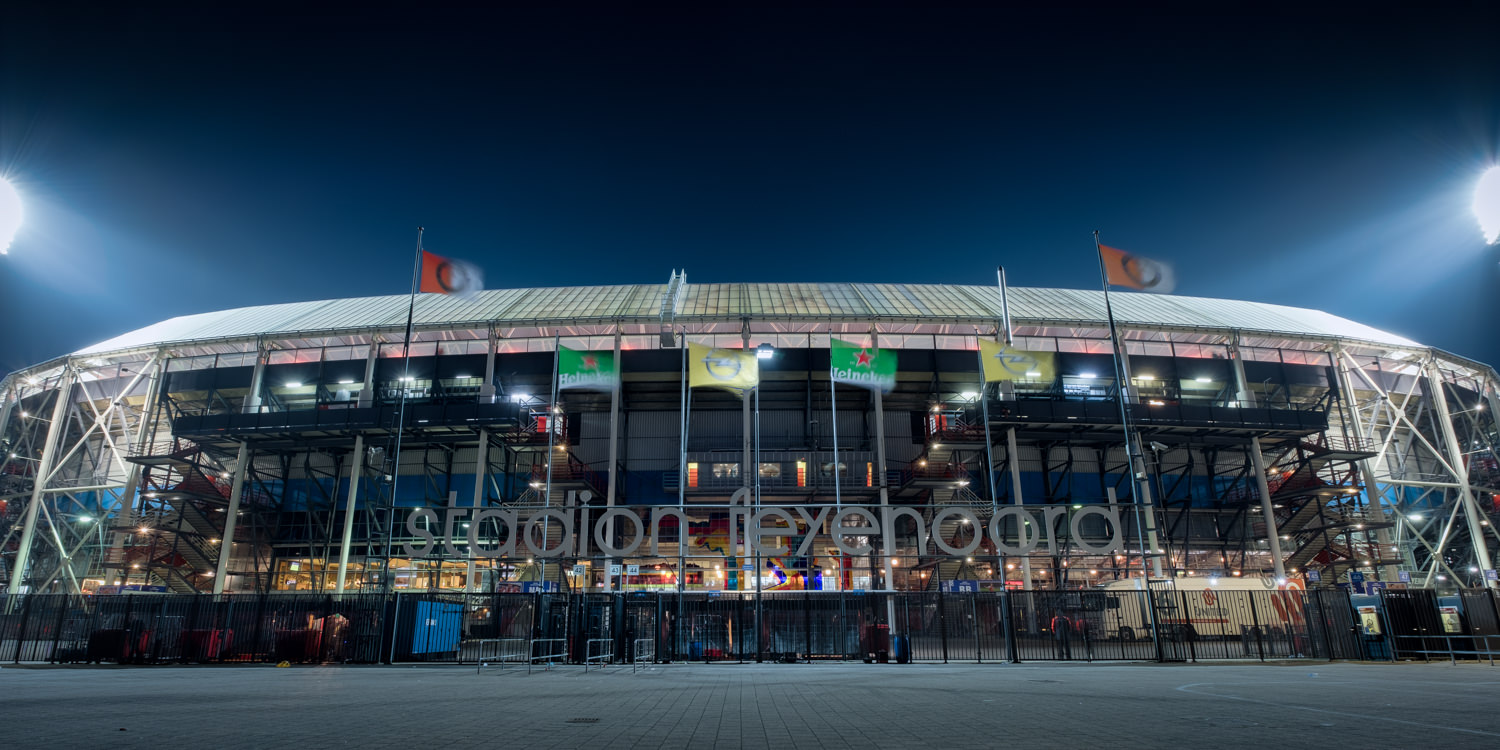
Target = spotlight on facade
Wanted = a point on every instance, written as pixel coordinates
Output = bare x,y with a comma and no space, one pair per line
765,351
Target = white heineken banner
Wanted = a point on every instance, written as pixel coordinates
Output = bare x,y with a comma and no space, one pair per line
592,371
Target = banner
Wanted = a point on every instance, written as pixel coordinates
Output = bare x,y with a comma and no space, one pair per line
863,366
449,276
730,369
1136,272
592,371
1004,363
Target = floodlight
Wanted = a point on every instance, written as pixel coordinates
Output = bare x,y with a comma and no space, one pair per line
1486,204
10,214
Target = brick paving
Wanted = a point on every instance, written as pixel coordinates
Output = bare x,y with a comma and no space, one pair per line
763,706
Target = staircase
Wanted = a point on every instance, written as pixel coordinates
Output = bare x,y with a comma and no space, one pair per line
1315,487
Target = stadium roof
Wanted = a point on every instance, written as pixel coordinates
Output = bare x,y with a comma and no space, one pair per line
640,303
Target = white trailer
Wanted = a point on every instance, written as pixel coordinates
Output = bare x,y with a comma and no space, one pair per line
1201,607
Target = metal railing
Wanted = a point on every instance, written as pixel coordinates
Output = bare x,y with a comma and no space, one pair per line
644,652
599,650
556,649
1482,646
500,651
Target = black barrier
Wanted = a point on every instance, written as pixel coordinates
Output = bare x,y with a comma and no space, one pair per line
1012,626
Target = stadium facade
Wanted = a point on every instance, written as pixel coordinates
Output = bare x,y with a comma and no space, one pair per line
293,447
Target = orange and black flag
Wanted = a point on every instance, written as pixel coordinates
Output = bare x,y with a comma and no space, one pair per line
448,276
1128,269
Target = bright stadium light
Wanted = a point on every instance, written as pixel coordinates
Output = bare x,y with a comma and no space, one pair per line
1487,204
10,214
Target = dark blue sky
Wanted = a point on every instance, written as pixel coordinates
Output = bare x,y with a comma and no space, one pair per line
197,158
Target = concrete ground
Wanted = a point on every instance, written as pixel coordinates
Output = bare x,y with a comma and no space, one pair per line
1301,704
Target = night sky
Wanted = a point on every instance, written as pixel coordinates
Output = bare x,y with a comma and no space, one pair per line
193,158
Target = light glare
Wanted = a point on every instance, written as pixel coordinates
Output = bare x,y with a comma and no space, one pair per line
1487,204
10,215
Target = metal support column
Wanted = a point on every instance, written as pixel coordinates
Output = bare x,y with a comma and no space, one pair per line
1015,496
257,379
1258,460
481,471
55,430
236,491
367,390
1472,514
487,388
356,468
1273,535
1374,497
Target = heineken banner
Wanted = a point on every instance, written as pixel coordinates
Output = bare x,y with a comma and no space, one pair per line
593,371
1004,363
863,366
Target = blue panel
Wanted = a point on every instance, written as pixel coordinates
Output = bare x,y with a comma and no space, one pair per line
437,628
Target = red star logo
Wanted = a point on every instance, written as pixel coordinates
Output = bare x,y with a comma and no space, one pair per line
591,363
862,359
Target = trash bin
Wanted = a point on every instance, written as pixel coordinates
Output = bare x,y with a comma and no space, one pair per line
903,649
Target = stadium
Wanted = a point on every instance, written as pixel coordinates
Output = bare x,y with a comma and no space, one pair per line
306,455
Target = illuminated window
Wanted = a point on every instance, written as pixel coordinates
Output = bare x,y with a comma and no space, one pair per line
726,471
770,471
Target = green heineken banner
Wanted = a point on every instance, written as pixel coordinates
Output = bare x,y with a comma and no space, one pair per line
863,366
594,371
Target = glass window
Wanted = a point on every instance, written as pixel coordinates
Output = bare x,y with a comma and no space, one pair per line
726,471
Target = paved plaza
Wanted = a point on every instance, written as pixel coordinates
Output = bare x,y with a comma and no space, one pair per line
1303,704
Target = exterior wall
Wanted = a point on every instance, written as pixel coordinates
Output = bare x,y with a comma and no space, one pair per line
298,495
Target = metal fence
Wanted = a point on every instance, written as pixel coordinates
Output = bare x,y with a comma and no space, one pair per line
1159,624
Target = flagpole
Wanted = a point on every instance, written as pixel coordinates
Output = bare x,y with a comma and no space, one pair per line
1122,373
552,412
411,310
682,470
1011,449
833,399
838,498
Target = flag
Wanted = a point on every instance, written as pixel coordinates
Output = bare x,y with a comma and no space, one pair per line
863,366
449,276
1128,269
1004,363
731,369
592,371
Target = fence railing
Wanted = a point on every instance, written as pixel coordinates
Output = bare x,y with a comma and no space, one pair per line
1451,646
499,651
599,651
1160,624
644,652
552,650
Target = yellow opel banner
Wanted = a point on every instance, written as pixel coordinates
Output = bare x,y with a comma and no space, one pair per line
731,369
1004,363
